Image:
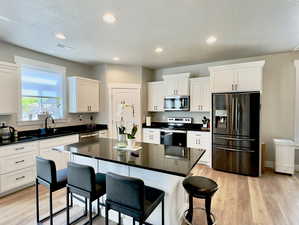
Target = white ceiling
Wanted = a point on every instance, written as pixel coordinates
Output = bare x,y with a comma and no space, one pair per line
243,28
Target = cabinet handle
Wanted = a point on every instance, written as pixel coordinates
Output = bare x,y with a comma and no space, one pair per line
19,178
236,86
21,148
232,87
21,161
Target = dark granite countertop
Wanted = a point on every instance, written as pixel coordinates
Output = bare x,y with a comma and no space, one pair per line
164,125
151,156
35,135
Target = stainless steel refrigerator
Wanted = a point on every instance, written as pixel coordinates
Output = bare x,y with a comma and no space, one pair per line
236,132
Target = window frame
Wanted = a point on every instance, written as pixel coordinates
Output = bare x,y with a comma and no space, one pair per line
35,64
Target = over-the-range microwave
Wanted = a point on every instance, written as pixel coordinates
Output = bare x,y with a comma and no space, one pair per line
177,103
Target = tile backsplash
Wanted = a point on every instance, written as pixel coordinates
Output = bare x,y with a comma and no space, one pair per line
162,116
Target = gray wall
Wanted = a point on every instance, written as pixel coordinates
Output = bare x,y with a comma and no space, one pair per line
7,54
278,98
113,73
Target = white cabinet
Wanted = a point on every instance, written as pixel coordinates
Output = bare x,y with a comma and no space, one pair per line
8,88
201,140
237,77
103,134
177,84
200,94
17,166
284,156
60,158
84,95
151,135
156,94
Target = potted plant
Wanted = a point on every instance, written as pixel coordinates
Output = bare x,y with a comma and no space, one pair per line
131,136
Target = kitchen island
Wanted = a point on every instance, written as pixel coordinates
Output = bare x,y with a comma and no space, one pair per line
159,167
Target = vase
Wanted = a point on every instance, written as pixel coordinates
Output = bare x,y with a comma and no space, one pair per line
122,140
131,143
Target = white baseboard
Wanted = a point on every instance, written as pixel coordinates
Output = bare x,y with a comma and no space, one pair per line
270,164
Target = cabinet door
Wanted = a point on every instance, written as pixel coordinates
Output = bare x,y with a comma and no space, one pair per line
193,139
8,89
182,86
94,96
249,79
151,97
83,95
200,95
223,81
171,86
156,96
195,92
205,94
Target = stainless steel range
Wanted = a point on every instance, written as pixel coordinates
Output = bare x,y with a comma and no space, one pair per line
175,134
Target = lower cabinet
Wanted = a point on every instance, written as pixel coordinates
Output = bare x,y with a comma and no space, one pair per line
60,158
201,140
17,166
151,135
103,134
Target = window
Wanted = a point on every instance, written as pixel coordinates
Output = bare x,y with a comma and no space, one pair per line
42,90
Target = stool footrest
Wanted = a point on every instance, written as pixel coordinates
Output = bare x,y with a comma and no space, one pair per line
198,208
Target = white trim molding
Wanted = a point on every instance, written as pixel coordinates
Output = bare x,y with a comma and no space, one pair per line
257,64
270,164
39,64
296,119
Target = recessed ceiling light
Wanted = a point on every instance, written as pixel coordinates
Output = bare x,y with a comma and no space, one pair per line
109,18
211,40
5,19
159,50
115,58
60,36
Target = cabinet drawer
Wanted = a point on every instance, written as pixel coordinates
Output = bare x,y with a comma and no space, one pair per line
19,148
151,136
54,142
16,179
16,162
103,133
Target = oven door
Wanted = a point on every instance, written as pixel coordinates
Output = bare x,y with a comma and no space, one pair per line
174,138
177,103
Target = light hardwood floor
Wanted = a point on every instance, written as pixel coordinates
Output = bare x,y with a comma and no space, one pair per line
272,199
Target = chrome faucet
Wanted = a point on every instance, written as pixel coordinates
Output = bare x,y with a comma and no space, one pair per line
46,121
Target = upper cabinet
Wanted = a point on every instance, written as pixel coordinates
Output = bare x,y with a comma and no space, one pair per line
156,94
237,77
200,94
84,95
177,84
9,87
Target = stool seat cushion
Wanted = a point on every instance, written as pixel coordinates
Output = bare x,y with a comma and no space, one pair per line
152,199
200,186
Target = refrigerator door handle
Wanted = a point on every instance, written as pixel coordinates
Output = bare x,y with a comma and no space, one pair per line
236,139
236,114
233,115
234,150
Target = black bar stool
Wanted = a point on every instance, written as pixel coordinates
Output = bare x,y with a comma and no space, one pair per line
203,188
131,197
51,179
83,181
